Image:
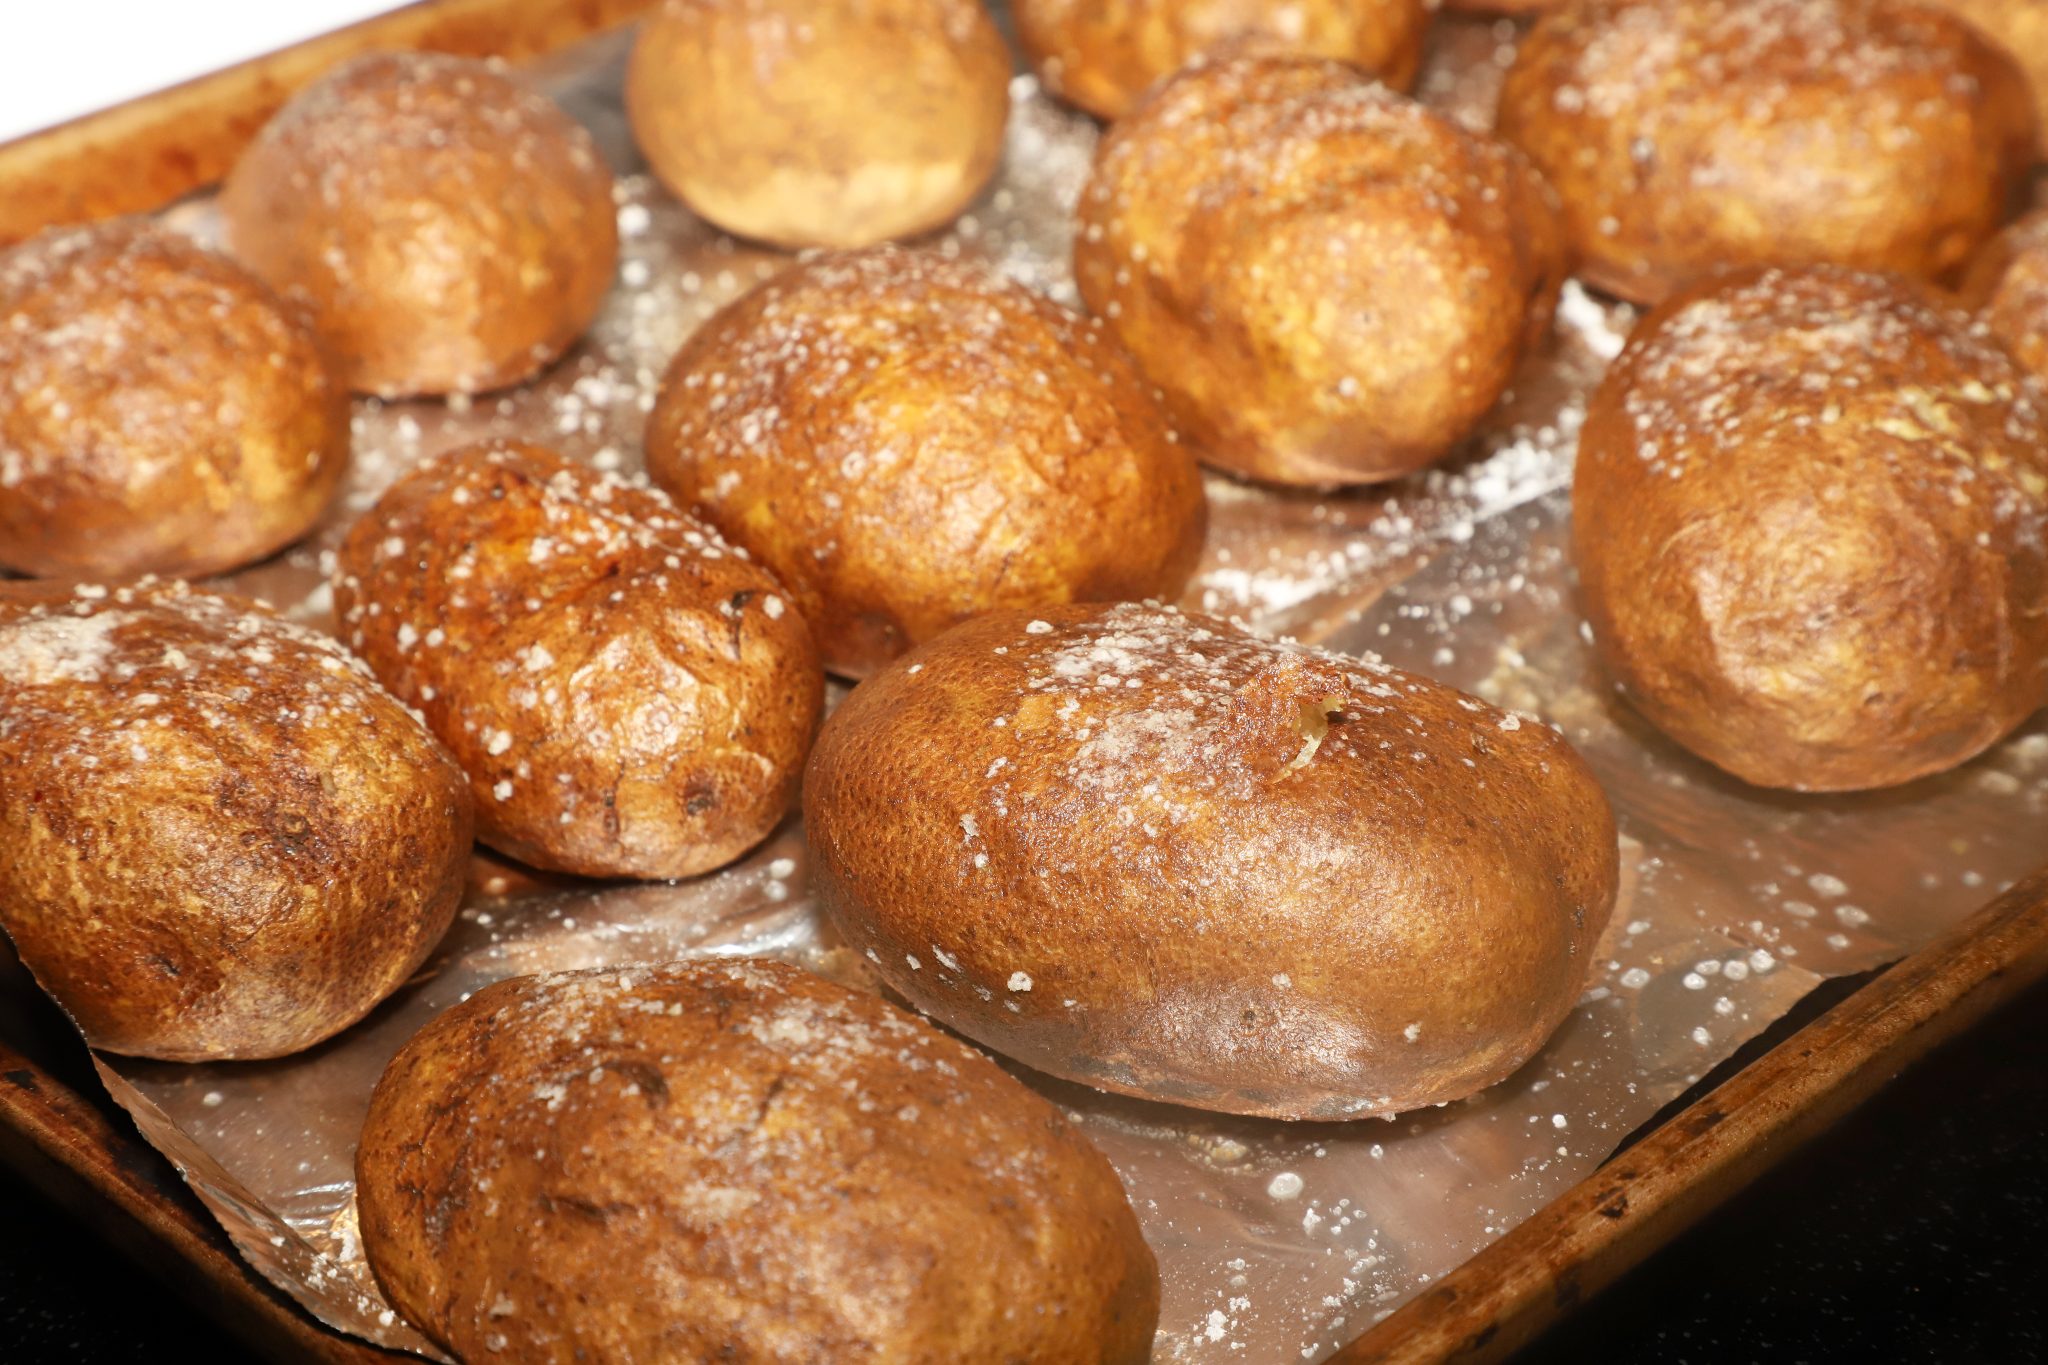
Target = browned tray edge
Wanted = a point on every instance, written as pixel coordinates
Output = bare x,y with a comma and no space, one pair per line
147,153
151,151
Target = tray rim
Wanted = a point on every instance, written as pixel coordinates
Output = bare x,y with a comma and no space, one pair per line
151,151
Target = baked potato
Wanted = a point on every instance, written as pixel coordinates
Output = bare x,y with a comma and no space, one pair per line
1104,54
1151,853
1689,136
906,440
2021,28
630,696
453,231
223,839
735,1160
1328,282
161,410
2008,285
834,123
1810,517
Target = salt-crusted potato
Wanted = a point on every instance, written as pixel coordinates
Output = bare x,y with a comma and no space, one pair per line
735,1160
1686,136
1152,853
821,122
223,840
907,440
2021,28
453,230
630,696
2008,285
1329,283
1811,522
160,408
1104,54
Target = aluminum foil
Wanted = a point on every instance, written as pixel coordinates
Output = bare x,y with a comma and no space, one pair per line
1276,1241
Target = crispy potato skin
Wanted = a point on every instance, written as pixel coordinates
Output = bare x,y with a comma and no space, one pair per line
907,441
1687,136
2021,28
161,410
2008,286
721,1160
1092,841
1330,283
836,123
223,839
629,695
453,231
1809,517
1104,54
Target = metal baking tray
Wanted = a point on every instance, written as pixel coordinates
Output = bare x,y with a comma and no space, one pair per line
1736,903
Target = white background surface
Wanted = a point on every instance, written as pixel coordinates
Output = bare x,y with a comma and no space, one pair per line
63,58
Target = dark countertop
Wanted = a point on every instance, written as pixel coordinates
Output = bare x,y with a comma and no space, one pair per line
1912,1232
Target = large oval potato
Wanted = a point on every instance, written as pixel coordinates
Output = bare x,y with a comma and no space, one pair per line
1811,523
907,440
1152,853
630,696
1328,282
1689,136
222,839
721,1160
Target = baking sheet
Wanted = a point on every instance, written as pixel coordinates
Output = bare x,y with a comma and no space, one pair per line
1276,1241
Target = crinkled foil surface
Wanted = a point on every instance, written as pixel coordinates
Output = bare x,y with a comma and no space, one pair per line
1276,1241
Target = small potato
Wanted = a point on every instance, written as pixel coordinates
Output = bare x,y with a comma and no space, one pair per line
1104,54
2021,28
821,122
1330,283
1154,854
629,696
222,839
161,410
737,1161
1811,523
453,230
1687,136
907,440
2008,286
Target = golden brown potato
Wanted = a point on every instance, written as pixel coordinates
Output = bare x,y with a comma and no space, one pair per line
1811,523
453,231
2021,28
1330,283
160,408
629,695
907,440
1152,853
736,1160
1686,136
821,122
1104,54
223,840
2008,285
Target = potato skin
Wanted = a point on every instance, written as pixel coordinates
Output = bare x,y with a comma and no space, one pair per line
1329,283
453,231
835,123
1688,136
736,1160
2008,286
2021,28
907,441
630,696
223,839
1809,517
161,410
1104,54
1083,839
